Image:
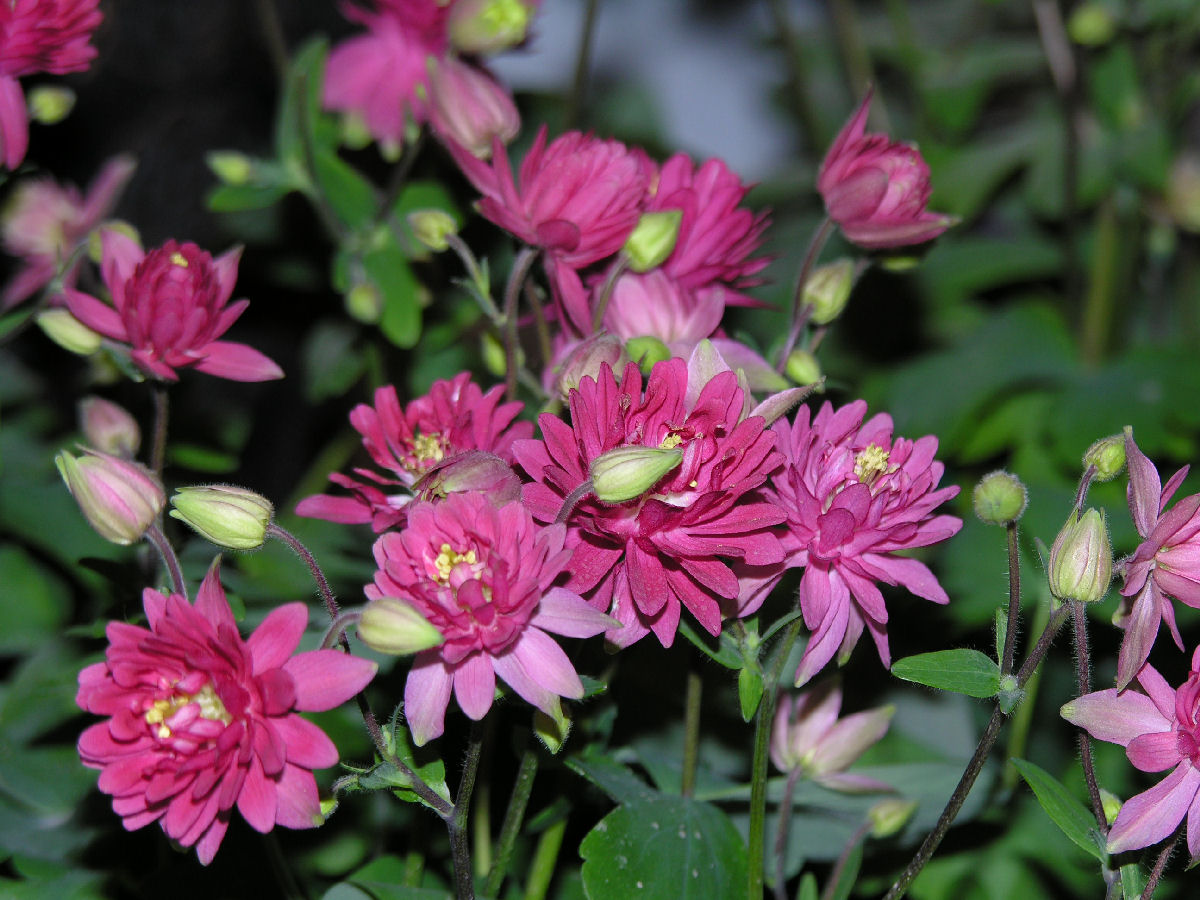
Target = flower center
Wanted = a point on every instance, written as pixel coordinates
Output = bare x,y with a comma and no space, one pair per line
179,259
427,449
670,442
448,559
870,464
211,707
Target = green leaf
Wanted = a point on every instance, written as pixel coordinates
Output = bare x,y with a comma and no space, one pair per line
346,191
300,109
37,601
1063,809
388,269
331,361
808,887
386,776
240,197
962,671
1133,880
202,459
750,690
610,776
664,848
726,653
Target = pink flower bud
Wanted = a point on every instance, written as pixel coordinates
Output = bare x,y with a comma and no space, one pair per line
120,499
585,359
489,26
472,471
109,427
469,108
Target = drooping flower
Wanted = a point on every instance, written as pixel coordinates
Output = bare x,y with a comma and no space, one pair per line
44,223
1166,564
876,189
468,107
408,442
1159,729
645,559
119,498
483,577
853,496
201,721
38,36
170,307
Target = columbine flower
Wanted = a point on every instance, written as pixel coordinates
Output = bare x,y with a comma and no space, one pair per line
454,417
1166,563
38,36
876,189
644,559
853,496
808,736
469,108
170,307
119,498
1159,729
202,720
482,577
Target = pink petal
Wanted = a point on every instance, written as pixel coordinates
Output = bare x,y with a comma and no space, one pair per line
849,738
547,664
1116,717
121,254
274,641
210,599
99,317
1140,631
207,846
256,802
1145,487
307,745
237,362
475,685
426,696
1154,752
14,122
1152,815
297,802
565,612
848,783
327,678
826,638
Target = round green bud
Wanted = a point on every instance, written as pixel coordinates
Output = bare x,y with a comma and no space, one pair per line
1111,804
827,290
391,625
364,303
231,167
353,132
646,351
1107,455
653,239
628,472
1000,498
431,227
68,332
803,368
1092,25
1081,560
483,27
50,104
889,816
228,516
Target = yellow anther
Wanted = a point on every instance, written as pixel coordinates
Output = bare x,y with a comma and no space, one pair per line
179,259
210,704
670,442
427,448
870,464
448,559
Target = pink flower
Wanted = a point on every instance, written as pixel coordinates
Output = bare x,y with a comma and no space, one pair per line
644,559
407,443
38,36
201,720
469,108
1166,563
45,223
876,189
1159,729
853,496
483,577
170,307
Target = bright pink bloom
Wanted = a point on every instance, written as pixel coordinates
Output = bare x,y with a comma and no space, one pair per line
45,223
645,559
876,189
853,496
483,577
1166,563
38,36
469,108
1159,729
201,720
170,307
454,417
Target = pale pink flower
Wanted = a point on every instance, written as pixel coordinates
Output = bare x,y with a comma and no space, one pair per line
484,578
408,442
876,189
201,721
119,497
469,108
170,307
1166,564
1159,729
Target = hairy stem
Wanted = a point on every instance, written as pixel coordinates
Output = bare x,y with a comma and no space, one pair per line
512,293
170,561
840,866
513,818
1160,865
781,833
464,882
1083,671
1014,599
800,312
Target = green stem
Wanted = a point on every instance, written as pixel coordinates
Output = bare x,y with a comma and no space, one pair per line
800,310
513,818
1083,671
272,28
1100,298
810,123
583,65
158,444
691,731
545,860
512,293
170,561
855,56
619,268
464,881
482,291
1014,599
1022,717
840,866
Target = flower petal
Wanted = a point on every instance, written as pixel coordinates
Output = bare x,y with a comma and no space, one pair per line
237,362
1152,815
276,639
327,678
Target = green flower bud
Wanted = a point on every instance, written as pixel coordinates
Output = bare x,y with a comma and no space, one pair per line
391,625
50,104
653,239
482,27
828,290
1108,456
803,368
363,303
495,360
1183,192
627,472
1000,498
230,166
1081,559
646,351
1092,25
354,132
228,516
889,816
552,728
119,498
431,227
1111,804
68,332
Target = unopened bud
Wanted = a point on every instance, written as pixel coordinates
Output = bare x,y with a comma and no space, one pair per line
109,427
585,360
1081,559
1000,498
483,27
495,359
552,728
646,351
119,498
1111,804
68,332
391,625
889,816
628,472
827,290
474,471
1107,455
1092,25
803,368
431,227
354,132
364,303
50,104
230,166
228,516
653,239
96,237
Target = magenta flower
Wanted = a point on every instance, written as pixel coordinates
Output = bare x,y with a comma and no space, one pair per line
46,222
1159,729
644,559
409,442
1166,563
483,577
38,36
202,721
876,189
853,496
170,307
468,107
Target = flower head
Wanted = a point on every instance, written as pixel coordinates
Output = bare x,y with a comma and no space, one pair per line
201,721
876,189
118,497
170,306
483,578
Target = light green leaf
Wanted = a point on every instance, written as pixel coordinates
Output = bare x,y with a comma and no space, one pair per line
1063,809
962,671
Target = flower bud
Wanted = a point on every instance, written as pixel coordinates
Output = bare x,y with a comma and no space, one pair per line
68,332
803,368
470,108
889,816
828,290
1081,559
228,516
471,471
231,167
646,351
363,303
391,625
483,27
1000,498
431,227
50,104
585,361
1108,457
353,131
1111,804
95,246
109,427
119,498
627,472
1092,24
653,239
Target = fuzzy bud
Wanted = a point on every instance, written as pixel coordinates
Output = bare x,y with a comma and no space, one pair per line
628,472
391,625
889,816
1081,559
585,359
119,498
1108,457
228,516
109,427
653,239
646,351
231,167
468,472
50,104
1000,498
68,332
483,27
431,227
827,290
803,368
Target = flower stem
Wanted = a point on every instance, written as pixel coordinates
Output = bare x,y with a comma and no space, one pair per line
545,858
583,65
457,824
331,604
606,290
691,731
781,832
482,291
158,446
513,818
512,293
800,311
170,561
572,500
1083,670
840,866
1014,599
337,631
1160,864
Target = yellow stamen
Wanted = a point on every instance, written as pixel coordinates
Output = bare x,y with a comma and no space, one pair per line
179,259
211,708
427,448
870,464
449,558
670,442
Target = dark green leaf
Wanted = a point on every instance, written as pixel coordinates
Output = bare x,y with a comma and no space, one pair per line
726,653
388,269
346,191
239,197
1063,809
1133,880
962,671
300,108
612,777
